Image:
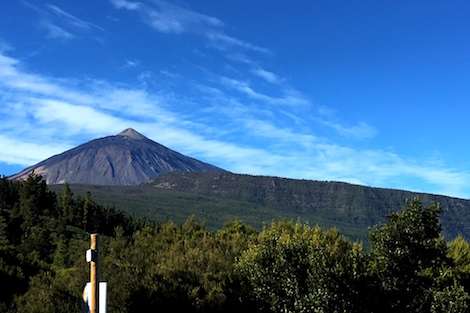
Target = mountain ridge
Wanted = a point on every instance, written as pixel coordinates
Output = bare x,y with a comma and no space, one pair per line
217,198
334,202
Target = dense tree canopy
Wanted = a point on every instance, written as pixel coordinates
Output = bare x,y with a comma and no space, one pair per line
287,267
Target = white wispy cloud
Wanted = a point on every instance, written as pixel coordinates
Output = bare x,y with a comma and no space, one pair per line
26,153
75,118
129,64
72,19
328,117
54,31
167,17
268,76
360,131
281,137
60,24
288,96
124,4
20,84
222,41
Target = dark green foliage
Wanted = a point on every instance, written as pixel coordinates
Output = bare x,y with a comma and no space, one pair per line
9,194
35,200
450,300
38,237
51,293
459,252
407,256
167,267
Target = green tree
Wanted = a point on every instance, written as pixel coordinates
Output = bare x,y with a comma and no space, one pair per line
67,207
34,200
459,253
407,254
52,293
296,268
87,210
60,256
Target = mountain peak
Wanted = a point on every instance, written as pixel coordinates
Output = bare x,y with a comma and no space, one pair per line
131,133
128,158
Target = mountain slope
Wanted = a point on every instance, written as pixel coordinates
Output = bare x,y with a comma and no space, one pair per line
335,203
217,198
128,158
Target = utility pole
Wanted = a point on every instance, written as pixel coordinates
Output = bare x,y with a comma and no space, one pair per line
95,292
95,273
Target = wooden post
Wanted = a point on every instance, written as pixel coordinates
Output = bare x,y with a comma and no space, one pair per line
95,274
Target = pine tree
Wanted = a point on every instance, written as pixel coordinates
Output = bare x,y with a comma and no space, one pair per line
67,207
87,210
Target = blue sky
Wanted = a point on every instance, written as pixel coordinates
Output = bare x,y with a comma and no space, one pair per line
367,92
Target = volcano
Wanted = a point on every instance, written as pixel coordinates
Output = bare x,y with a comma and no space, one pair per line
128,158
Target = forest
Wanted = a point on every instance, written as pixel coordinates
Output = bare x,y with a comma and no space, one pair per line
288,266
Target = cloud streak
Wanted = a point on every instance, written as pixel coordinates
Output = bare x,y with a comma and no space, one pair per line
59,24
26,153
268,76
71,19
55,32
124,4
166,17
360,131
222,41
288,96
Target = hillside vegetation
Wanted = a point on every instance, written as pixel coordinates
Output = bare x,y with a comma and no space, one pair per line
285,267
217,198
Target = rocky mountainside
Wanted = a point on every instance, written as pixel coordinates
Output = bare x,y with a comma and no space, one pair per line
129,158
